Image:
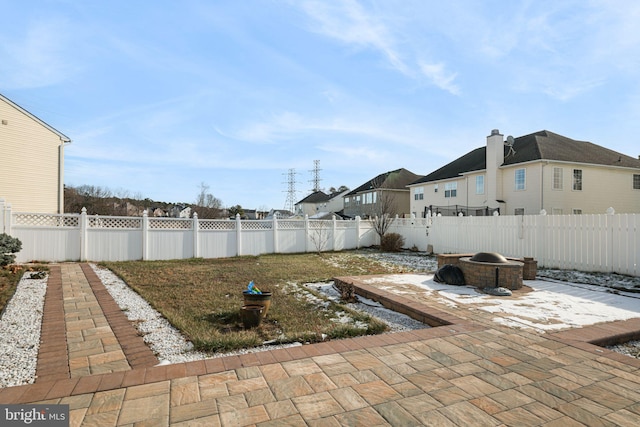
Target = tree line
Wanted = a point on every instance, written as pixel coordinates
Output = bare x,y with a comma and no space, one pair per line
105,201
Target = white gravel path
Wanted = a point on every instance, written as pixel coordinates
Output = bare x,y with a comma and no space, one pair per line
20,332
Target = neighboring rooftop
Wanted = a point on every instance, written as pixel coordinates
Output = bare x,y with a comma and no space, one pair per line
397,179
542,145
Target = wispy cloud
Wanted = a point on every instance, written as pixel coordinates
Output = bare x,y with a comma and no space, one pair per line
38,57
439,76
348,22
294,127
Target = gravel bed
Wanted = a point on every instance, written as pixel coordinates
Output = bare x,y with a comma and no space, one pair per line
20,332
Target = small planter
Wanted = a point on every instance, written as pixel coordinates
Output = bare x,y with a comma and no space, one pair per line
263,299
251,315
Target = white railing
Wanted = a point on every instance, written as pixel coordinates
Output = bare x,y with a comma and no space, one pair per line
603,243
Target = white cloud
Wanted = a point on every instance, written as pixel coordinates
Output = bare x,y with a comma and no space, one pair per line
437,74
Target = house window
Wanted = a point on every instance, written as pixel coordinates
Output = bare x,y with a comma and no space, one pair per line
518,211
418,193
557,178
577,211
520,179
451,189
368,198
357,200
435,188
577,179
636,181
480,184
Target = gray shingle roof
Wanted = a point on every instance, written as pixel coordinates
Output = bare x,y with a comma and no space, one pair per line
397,179
315,197
542,145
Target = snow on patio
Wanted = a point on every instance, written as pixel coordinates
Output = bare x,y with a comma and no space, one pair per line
549,305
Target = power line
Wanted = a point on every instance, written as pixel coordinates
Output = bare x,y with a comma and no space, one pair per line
316,175
291,190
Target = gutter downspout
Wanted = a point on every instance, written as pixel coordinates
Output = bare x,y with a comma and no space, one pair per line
61,174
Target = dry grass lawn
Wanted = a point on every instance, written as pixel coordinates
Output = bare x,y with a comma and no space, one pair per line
203,297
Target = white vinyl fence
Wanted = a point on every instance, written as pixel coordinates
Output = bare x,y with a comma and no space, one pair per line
603,243
82,237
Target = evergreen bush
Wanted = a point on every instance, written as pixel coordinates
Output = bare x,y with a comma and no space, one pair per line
9,246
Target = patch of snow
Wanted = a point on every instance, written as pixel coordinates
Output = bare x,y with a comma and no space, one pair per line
551,305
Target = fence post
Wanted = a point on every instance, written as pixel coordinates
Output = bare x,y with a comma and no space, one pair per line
612,253
276,246
196,236
334,231
357,232
5,216
145,235
238,235
83,234
306,233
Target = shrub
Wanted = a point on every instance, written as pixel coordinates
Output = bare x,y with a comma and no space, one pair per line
392,242
9,246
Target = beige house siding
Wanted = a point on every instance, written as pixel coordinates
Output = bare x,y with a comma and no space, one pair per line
602,187
30,162
527,199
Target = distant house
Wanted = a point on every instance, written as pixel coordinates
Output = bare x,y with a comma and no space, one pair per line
387,188
319,202
158,212
180,211
31,161
279,214
530,173
250,214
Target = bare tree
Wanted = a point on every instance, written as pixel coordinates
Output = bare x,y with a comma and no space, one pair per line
383,209
207,206
319,233
384,212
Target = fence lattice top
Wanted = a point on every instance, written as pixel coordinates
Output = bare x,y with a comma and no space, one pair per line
46,220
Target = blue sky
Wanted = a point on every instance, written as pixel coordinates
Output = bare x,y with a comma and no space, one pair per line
160,96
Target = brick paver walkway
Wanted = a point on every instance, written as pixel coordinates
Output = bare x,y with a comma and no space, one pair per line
467,372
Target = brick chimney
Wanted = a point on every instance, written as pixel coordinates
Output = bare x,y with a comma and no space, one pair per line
495,158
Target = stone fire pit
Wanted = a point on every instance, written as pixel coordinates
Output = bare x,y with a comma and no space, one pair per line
482,268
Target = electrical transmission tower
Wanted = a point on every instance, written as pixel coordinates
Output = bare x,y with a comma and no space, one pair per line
291,191
316,175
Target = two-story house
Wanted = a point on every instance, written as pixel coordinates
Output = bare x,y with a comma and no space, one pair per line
31,161
386,193
528,174
318,203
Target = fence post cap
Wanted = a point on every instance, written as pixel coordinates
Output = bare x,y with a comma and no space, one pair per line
543,212
610,211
